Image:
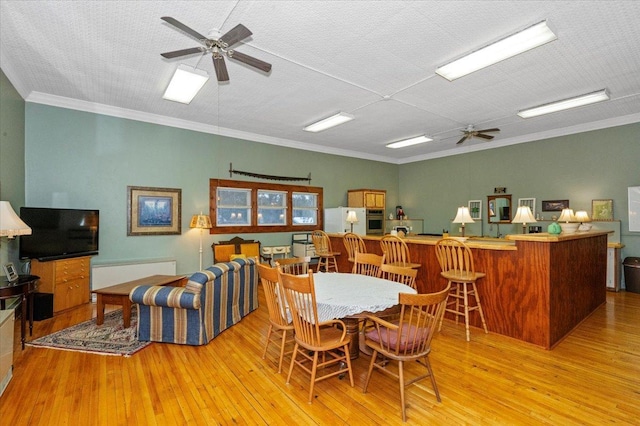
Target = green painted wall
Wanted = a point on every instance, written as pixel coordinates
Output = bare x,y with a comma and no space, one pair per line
599,164
11,158
83,160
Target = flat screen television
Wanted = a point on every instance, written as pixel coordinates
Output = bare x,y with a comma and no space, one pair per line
59,233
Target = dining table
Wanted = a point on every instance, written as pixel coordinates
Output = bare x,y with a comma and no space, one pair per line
350,297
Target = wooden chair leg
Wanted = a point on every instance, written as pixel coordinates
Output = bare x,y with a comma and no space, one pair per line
401,380
374,355
432,377
282,345
293,361
314,371
266,345
466,311
475,293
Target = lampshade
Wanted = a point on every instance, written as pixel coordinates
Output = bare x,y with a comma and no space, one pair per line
524,215
582,216
10,223
352,217
567,216
201,221
463,216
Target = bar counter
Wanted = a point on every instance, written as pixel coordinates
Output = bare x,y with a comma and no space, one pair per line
538,287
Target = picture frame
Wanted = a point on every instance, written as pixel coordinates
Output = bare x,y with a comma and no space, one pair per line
602,209
10,272
554,205
154,211
530,202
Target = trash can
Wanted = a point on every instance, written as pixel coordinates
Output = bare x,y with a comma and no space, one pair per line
632,274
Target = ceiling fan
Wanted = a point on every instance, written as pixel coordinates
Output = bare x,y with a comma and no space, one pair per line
218,48
470,132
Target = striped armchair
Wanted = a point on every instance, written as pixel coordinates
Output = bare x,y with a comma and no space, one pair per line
213,300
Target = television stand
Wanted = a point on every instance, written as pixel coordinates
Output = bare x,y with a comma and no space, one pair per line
67,279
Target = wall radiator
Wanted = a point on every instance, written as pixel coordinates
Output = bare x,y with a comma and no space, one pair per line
110,274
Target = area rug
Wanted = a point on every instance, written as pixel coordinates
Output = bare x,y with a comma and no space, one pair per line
110,338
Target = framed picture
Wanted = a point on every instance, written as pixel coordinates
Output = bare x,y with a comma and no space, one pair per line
554,205
154,211
530,202
601,209
10,272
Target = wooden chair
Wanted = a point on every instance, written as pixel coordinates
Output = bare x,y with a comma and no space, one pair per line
367,264
326,256
279,321
408,339
399,274
353,243
225,251
456,264
396,252
294,265
312,337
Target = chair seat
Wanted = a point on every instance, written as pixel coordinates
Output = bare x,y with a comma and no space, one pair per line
405,264
462,276
406,340
331,338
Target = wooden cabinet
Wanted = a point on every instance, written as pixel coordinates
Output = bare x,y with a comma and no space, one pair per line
368,198
67,279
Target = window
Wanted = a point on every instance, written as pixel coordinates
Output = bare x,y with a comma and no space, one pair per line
234,207
272,207
253,207
305,208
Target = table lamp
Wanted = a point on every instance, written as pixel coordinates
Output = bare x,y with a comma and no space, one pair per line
524,215
567,221
201,222
463,217
352,218
11,224
582,217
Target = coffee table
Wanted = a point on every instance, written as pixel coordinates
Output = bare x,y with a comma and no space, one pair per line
119,294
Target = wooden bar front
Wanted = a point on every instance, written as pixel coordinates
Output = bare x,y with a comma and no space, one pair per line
538,287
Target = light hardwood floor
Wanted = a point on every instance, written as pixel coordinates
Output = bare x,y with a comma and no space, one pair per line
591,378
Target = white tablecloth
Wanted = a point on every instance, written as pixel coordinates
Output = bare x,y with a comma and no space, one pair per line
339,295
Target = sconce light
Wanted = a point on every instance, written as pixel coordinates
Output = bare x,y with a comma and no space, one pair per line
463,217
352,218
567,221
524,215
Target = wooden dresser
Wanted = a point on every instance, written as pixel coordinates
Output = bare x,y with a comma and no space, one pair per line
67,279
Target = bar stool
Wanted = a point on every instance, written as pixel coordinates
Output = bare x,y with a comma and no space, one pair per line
326,256
396,252
353,243
456,264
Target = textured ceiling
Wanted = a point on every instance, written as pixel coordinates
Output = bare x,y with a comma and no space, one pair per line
373,59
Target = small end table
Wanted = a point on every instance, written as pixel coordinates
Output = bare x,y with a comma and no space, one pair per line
25,285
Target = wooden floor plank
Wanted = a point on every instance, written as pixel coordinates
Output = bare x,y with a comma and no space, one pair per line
592,377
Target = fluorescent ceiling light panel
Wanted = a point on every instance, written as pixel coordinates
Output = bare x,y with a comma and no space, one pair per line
534,36
589,98
409,142
329,122
185,84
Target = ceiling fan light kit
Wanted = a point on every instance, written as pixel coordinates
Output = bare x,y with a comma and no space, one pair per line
329,122
185,84
589,98
218,48
520,42
409,142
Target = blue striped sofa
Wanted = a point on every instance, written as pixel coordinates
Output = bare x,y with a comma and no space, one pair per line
213,300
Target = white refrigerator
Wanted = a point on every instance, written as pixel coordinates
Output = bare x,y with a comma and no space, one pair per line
335,220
